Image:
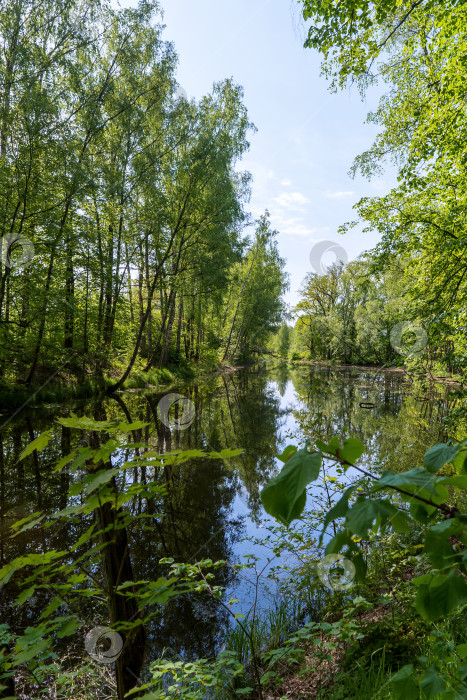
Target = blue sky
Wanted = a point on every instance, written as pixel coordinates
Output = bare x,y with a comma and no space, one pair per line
307,137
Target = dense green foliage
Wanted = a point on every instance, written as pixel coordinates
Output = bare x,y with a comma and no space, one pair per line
122,216
418,50
348,314
429,500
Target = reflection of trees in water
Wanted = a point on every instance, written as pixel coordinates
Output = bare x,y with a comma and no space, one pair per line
193,521
281,375
396,433
254,411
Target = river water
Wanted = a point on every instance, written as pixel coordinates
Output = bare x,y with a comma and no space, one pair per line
212,508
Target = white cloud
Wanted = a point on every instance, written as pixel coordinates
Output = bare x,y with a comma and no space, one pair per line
286,182
290,200
271,175
298,229
340,194
295,226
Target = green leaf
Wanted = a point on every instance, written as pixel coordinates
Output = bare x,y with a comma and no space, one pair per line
25,595
443,594
128,427
422,511
366,513
403,685
284,496
84,537
417,477
433,684
54,604
337,543
437,544
462,650
27,523
460,462
35,649
68,628
288,452
64,461
459,480
8,570
223,454
38,444
85,423
439,455
331,447
352,450
103,476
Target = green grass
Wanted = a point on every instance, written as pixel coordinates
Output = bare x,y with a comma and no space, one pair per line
15,396
368,681
153,377
270,629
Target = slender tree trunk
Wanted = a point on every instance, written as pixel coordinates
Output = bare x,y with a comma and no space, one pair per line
141,307
148,285
179,327
130,286
237,308
168,332
69,295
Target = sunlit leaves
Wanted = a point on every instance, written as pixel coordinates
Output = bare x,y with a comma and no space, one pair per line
350,451
415,478
38,444
287,453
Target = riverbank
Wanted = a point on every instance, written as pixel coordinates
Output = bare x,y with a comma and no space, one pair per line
62,386
60,389
433,378
340,644
336,633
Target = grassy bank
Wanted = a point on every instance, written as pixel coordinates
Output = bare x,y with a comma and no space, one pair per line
64,388
323,644
352,641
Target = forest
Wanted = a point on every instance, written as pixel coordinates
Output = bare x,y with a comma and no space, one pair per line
214,485
126,244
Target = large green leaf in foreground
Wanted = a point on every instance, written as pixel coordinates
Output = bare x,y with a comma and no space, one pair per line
284,496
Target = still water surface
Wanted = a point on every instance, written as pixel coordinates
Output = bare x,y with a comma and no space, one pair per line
212,508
